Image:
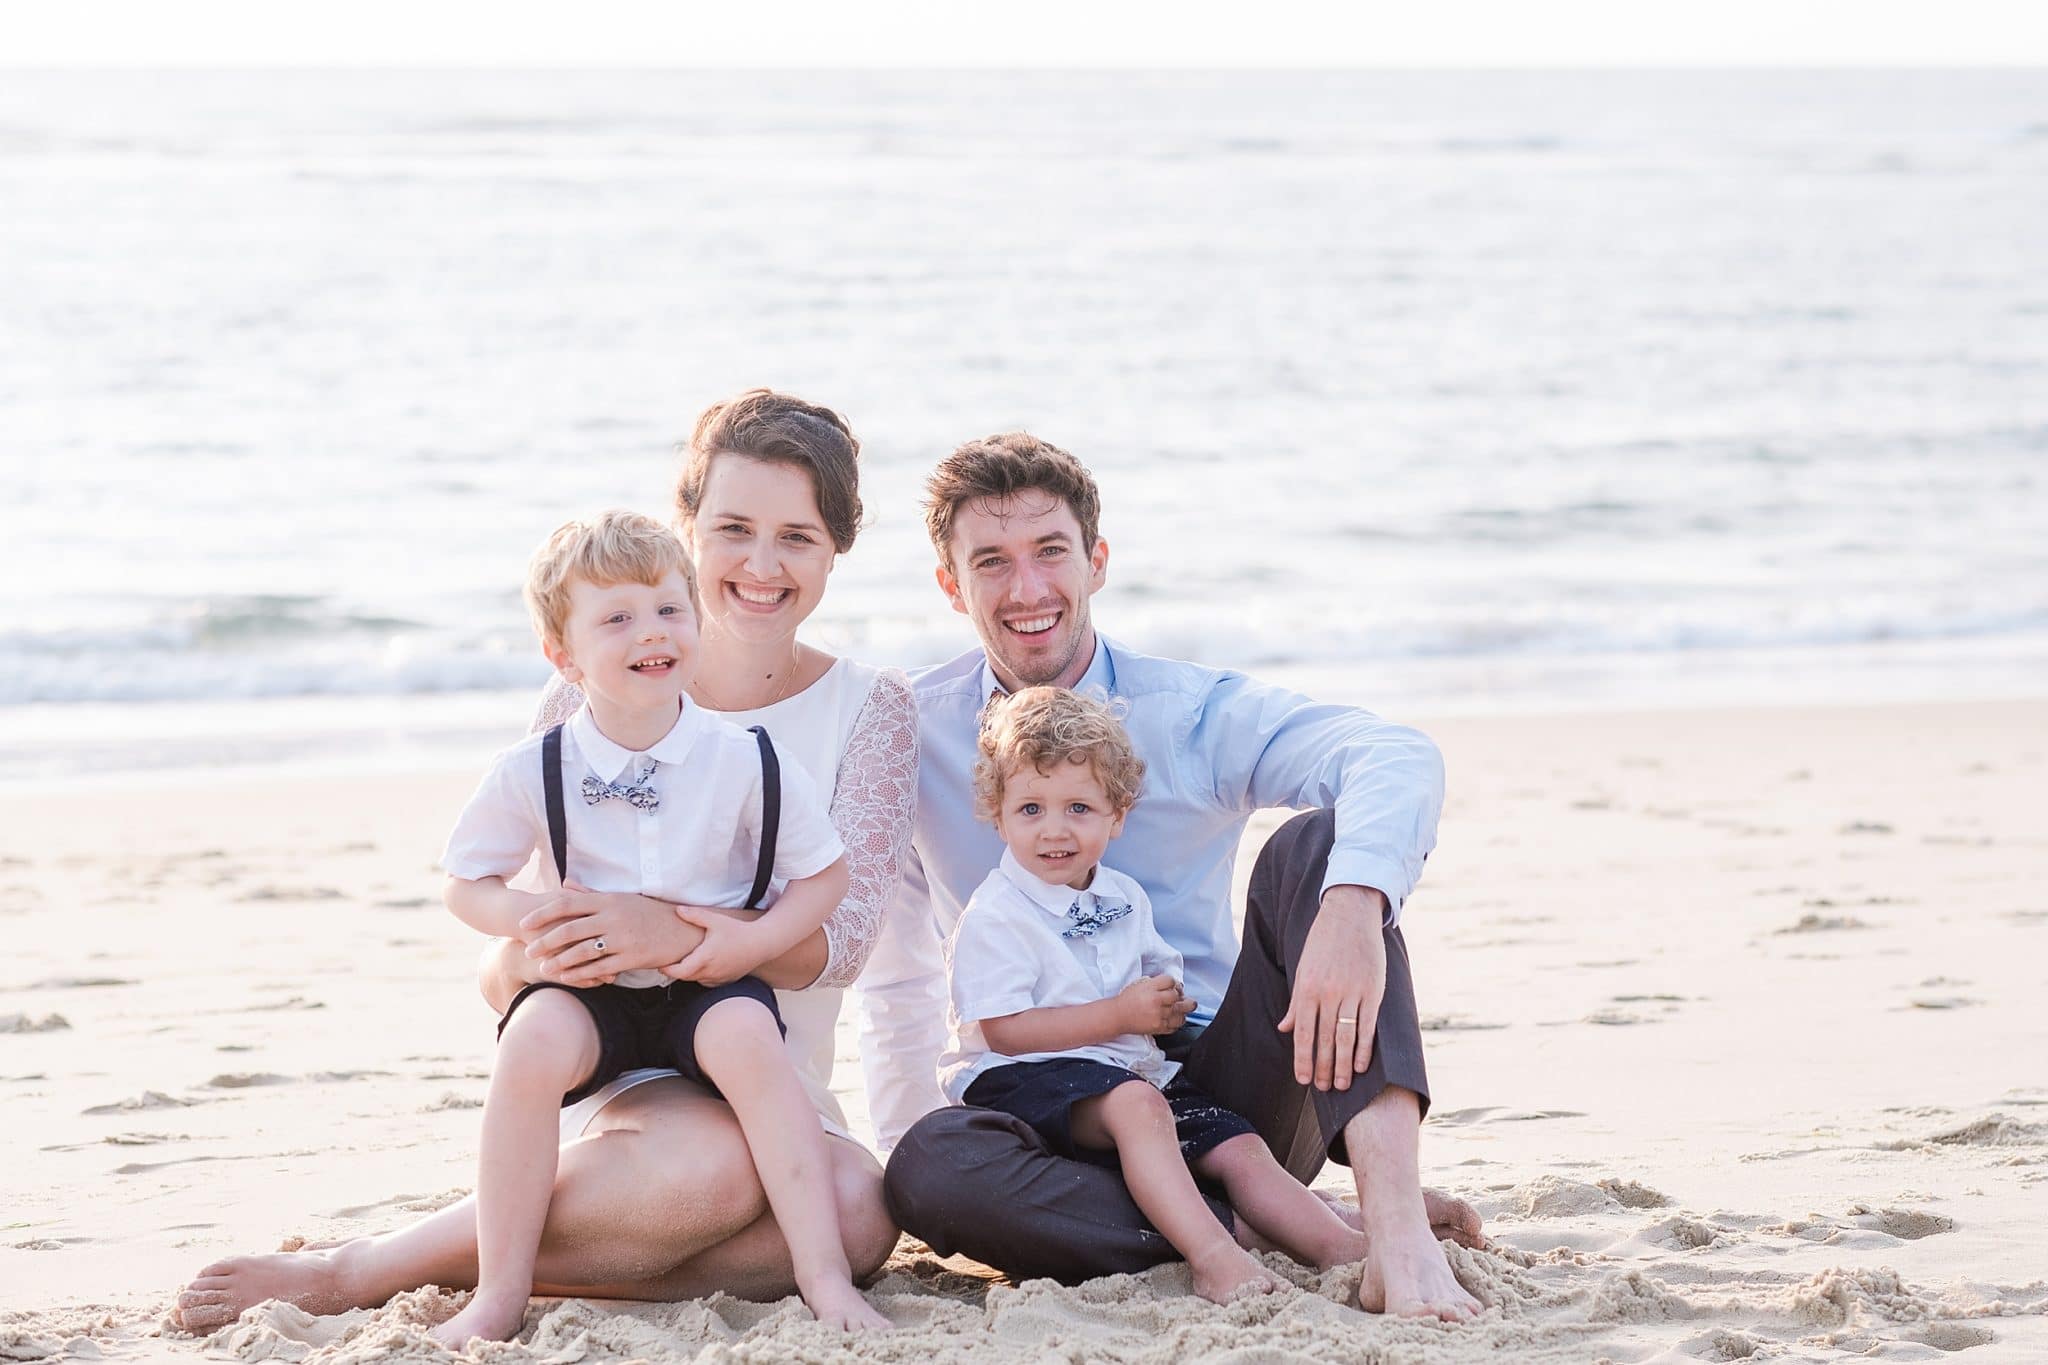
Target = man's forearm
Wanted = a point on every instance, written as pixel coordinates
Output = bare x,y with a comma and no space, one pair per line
1356,899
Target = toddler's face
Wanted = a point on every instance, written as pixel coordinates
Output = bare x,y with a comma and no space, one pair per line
1057,824
629,644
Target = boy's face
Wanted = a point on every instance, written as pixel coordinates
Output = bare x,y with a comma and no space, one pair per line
1057,824
628,645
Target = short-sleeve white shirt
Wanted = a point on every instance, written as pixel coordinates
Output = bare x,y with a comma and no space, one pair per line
699,846
1023,944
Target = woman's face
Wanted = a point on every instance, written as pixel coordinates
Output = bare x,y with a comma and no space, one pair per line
761,547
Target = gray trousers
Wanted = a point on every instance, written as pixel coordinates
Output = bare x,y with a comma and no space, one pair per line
982,1184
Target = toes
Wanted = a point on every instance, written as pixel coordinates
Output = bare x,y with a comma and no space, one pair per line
203,1317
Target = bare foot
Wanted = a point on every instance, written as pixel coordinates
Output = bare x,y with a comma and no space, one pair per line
494,1315
1231,1271
836,1303
317,1281
1406,1275
1451,1219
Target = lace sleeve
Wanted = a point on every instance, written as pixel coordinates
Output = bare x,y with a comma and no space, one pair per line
873,800
558,701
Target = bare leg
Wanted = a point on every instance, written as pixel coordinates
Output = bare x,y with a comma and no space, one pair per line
1136,1122
754,1263
1451,1219
740,1048
548,1048
625,1210
1278,1206
1405,1270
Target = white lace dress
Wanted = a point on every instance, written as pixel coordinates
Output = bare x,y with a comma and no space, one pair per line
854,731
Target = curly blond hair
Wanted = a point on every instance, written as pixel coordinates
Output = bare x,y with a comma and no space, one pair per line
1048,726
611,547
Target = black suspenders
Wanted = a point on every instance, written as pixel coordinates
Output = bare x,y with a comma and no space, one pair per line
771,808
771,816
551,783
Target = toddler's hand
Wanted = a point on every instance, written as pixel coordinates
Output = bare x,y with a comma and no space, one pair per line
727,953
1154,1005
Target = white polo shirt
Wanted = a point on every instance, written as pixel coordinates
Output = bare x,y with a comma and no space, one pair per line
1023,944
700,846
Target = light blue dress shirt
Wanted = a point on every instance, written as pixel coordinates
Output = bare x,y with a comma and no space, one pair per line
1217,746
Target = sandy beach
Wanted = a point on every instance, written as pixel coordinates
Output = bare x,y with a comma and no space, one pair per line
1736,1027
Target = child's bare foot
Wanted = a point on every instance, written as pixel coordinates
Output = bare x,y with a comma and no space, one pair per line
317,1281
494,1315
1342,1250
1451,1219
836,1303
1230,1271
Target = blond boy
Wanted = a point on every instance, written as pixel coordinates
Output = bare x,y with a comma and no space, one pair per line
643,791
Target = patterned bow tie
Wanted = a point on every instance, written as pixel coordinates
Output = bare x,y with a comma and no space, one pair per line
640,795
1086,922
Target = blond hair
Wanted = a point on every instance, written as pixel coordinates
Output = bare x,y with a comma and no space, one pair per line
611,547
1048,726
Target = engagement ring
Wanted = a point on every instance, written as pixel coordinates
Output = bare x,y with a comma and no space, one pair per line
598,944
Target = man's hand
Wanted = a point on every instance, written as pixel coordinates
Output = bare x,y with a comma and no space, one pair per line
1337,988
1154,1005
586,938
729,950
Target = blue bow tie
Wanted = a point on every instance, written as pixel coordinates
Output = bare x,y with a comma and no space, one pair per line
640,796
1086,922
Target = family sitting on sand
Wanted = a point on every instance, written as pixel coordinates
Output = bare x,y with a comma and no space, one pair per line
1127,1083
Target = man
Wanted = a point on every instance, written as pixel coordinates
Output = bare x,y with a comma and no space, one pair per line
1309,1030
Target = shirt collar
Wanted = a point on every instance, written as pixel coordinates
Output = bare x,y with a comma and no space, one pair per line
608,760
1057,900
1100,677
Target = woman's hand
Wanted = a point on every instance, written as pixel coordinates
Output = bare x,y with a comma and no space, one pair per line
729,949
586,938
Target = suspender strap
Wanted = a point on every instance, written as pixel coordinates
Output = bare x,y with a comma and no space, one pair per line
551,784
771,815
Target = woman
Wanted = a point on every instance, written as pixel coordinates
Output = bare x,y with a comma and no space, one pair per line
656,1196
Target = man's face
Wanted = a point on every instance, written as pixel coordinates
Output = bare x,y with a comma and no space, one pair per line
1021,574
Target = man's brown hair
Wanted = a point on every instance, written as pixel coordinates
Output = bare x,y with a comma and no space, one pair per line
1001,466
765,425
1048,726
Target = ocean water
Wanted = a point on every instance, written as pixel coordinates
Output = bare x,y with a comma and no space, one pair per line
1441,390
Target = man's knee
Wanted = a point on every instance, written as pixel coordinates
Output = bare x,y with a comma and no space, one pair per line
935,1173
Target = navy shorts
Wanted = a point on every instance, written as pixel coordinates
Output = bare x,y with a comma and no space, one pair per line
655,1026
1044,1094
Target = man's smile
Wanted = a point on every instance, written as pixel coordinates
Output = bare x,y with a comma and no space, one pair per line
1033,625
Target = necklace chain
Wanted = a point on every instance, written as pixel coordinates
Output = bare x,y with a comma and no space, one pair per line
788,677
